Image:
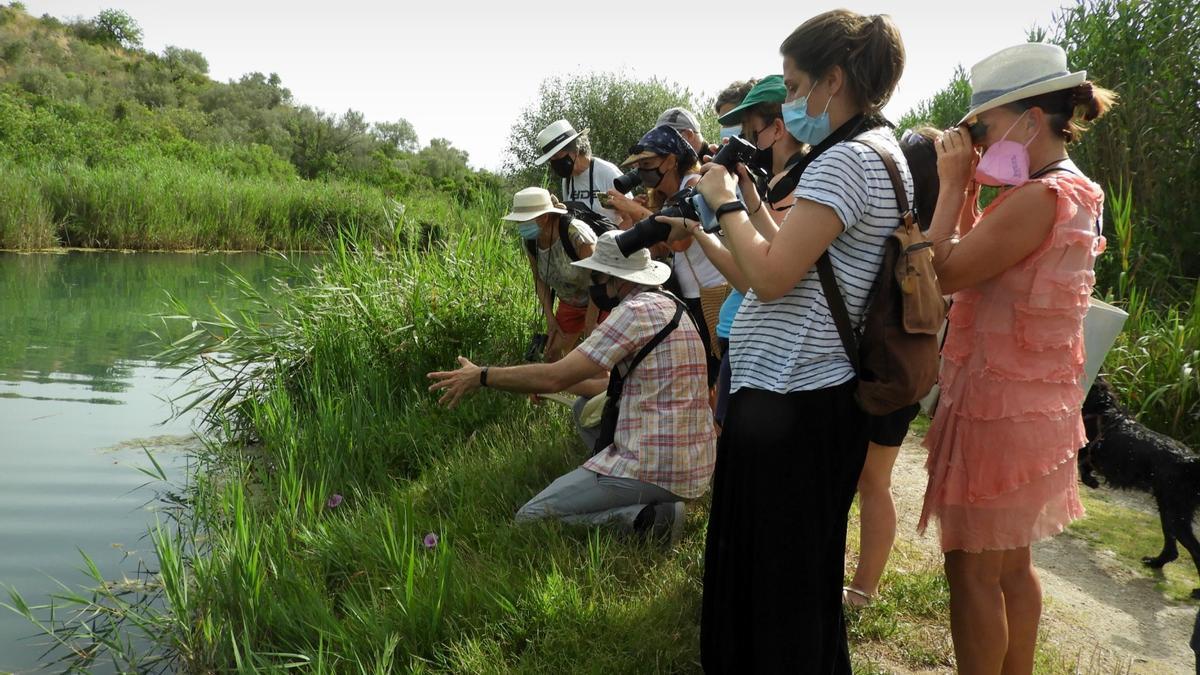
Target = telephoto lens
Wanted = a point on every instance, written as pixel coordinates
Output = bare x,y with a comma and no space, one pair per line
627,182
648,232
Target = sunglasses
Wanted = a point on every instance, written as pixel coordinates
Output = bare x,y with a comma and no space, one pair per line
599,278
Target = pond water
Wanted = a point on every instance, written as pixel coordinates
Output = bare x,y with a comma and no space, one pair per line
80,397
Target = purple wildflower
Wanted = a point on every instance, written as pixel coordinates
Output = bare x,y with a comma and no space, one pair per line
431,540
334,501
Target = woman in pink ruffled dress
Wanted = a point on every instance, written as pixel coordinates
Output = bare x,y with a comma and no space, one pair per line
1003,440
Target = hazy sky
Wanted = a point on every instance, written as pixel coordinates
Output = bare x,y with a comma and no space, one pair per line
464,70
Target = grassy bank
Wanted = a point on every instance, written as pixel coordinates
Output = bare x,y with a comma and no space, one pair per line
303,540
166,204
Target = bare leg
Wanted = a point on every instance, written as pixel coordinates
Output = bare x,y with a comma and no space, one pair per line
560,345
1022,608
977,614
877,519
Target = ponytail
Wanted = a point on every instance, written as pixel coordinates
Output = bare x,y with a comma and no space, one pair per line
868,49
1070,110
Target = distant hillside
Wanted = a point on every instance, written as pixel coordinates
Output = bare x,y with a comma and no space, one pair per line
82,96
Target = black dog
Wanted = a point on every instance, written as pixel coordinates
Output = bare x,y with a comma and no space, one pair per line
1131,457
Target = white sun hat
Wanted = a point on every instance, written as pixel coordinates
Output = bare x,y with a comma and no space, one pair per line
638,267
531,203
1019,72
554,138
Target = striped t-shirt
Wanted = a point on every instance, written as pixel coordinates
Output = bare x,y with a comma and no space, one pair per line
791,344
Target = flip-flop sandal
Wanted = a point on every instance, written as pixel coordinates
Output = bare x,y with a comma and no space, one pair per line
867,598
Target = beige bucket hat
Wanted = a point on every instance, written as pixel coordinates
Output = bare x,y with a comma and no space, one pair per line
1019,72
531,203
638,267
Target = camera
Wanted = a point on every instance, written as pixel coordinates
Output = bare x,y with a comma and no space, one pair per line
626,182
736,151
537,345
649,231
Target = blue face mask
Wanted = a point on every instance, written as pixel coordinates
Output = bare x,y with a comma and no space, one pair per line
528,229
730,132
802,126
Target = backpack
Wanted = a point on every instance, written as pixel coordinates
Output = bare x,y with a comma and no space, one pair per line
598,224
895,350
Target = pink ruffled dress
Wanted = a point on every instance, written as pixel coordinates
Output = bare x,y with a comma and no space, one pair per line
1003,440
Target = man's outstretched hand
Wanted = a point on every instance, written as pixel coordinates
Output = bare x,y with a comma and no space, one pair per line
456,383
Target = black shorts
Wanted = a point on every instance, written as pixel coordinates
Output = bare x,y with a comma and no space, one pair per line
890,429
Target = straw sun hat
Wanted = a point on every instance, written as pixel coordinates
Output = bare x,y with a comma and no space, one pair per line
1017,73
638,267
554,138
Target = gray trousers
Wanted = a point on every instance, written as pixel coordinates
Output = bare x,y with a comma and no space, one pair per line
584,497
588,434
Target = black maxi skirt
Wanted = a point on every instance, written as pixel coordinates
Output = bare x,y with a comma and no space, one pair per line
787,469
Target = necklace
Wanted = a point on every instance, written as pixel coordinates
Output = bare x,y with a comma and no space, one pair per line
1042,170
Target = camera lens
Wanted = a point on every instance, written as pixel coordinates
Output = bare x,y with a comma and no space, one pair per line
627,182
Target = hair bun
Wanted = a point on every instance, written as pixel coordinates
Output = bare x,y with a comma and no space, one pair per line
1084,96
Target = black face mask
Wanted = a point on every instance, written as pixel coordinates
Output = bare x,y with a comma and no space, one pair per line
651,177
601,299
563,166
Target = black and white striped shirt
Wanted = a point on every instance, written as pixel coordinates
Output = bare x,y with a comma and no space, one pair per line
791,344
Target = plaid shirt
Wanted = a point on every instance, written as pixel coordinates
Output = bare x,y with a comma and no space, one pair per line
665,433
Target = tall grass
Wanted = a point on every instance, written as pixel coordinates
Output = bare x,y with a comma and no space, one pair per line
165,204
1155,363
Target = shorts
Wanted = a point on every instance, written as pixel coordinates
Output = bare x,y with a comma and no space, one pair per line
572,319
889,430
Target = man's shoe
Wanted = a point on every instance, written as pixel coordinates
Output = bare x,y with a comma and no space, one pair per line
668,523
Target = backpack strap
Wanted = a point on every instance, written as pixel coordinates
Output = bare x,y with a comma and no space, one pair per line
833,296
616,380
564,235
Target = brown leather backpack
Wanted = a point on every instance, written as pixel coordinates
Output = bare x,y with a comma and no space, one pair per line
895,350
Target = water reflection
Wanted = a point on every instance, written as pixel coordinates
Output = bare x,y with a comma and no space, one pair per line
80,395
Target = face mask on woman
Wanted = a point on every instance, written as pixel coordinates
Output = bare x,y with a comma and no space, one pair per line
528,229
563,166
802,126
1005,162
651,177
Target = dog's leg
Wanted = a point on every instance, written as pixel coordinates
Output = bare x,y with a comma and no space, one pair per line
1182,523
1169,551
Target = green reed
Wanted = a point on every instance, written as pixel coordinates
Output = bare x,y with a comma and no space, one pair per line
165,204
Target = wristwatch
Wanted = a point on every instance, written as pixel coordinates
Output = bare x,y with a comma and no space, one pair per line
730,207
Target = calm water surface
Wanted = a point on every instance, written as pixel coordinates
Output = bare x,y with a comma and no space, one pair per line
80,395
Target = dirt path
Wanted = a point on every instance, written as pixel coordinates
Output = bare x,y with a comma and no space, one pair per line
1098,612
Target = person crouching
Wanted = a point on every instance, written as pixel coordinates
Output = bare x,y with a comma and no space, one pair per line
664,449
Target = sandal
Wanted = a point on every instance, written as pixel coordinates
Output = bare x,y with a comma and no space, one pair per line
848,593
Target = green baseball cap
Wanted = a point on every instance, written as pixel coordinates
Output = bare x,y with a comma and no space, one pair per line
770,89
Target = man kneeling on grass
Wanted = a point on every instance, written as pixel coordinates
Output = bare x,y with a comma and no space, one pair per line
657,444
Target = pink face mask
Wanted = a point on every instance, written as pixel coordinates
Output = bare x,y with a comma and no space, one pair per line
1005,162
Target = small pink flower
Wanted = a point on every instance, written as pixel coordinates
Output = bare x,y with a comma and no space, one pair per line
431,540
334,501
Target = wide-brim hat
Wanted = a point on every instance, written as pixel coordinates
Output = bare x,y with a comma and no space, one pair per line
770,89
1019,72
554,138
638,267
531,203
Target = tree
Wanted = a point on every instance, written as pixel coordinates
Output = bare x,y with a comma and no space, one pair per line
441,160
618,111
183,62
945,108
115,26
399,135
